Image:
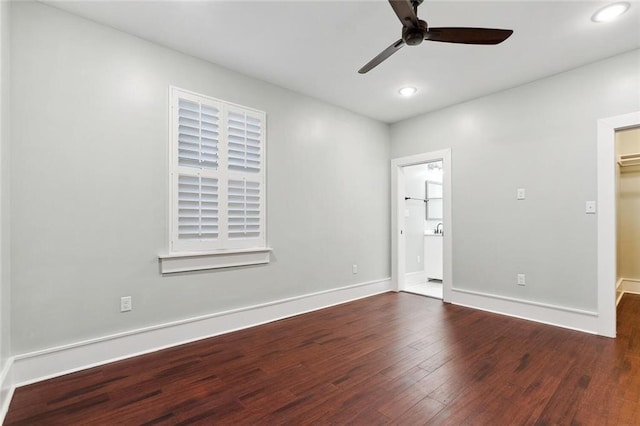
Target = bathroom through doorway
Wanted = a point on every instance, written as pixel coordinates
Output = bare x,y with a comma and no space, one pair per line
424,229
421,224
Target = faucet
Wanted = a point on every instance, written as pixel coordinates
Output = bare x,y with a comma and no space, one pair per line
438,229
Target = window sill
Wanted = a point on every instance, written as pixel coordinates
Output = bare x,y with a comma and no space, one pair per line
198,261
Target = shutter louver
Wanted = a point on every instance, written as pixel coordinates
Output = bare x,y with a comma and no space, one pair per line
197,207
244,133
244,209
197,135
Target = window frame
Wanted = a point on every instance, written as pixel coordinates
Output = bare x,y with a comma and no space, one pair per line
187,255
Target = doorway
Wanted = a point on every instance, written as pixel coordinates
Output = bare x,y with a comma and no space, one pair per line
421,227
424,229
627,143
607,215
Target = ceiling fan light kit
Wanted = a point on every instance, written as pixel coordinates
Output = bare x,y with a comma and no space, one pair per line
610,12
415,31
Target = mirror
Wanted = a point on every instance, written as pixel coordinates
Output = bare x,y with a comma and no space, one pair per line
433,195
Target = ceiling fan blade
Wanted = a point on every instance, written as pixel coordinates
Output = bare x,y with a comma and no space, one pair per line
382,56
406,13
468,35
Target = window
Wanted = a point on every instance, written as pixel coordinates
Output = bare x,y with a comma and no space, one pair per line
217,183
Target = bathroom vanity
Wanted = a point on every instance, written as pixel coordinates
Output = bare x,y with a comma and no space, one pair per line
433,255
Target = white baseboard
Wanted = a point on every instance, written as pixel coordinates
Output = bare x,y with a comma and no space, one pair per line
36,366
559,316
413,278
630,285
6,388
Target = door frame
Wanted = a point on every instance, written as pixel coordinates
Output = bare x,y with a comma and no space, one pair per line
607,218
398,255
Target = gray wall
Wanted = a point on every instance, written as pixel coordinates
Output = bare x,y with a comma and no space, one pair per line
5,340
90,187
541,137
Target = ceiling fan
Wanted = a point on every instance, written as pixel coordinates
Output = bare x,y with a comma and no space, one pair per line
415,30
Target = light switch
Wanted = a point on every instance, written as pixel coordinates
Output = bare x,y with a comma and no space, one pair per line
406,213
590,207
520,194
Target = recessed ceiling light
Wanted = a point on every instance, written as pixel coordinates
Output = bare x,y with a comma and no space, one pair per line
407,91
610,12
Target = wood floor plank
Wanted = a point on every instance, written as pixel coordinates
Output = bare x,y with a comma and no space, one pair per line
394,358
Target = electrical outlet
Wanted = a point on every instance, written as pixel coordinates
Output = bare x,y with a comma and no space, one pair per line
354,268
590,207
125,304
522,279
520,194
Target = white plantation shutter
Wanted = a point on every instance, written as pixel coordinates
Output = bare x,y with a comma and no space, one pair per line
244,133
197,134
218,189
197,207
244,209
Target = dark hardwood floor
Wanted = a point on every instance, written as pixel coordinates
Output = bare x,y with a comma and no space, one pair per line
392,358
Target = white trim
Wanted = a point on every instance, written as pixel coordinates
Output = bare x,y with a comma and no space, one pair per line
626,285
559,316
210,253
6,388
630,285
412,278
607,244
198,261
52,362
619,291
397,218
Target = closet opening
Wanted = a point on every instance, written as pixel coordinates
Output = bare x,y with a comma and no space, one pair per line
627,154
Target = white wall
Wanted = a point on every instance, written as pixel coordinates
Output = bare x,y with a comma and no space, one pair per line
542,137
628,142
90,188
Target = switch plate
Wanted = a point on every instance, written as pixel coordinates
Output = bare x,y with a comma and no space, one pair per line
418,259
520,194
125,304
590,207
354,268
522,279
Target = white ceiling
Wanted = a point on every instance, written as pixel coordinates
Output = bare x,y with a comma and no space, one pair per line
316,47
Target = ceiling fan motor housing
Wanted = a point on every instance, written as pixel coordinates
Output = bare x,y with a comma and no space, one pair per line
414,36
